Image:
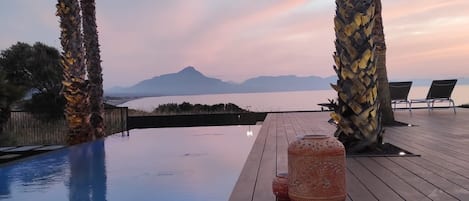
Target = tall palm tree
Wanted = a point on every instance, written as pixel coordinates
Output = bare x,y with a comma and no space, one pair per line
75,86
93,65
380,53
357,112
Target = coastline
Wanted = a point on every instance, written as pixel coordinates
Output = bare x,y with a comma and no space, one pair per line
116,101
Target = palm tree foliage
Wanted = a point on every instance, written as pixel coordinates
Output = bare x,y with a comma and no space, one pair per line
357,112
85,109
93,65
75,89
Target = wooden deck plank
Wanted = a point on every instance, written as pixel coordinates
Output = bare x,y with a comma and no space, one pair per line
406,191
282,147
415,181
290,130
440,169
428,152
440,173
356,190
9,156
452,189
6,148
348,198
244,187
50,148
267,168
424,138
23,148
379,189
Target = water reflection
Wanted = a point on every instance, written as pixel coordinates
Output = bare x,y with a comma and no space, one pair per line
249,133
5,183
194,163
87,180
42,173
77,172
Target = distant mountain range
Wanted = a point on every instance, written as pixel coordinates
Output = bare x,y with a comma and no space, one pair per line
189,81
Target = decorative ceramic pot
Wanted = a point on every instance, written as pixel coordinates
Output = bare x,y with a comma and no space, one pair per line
316,169
280,187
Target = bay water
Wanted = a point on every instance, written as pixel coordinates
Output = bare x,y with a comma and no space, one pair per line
280,101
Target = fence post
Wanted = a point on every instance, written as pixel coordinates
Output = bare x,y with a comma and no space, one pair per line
126,120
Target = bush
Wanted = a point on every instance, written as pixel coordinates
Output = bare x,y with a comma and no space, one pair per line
46,105
187,108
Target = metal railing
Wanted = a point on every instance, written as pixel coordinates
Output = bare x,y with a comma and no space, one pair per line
24,128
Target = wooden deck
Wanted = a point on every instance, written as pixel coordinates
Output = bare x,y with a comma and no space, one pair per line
8,154
441,173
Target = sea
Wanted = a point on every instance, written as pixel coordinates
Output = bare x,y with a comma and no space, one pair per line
280,101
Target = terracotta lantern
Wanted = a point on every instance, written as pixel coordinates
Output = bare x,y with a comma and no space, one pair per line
280,187
316,169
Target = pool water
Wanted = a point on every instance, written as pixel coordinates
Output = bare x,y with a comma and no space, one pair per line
177,164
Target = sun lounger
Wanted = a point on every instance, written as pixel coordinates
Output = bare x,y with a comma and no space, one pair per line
399,93
440,91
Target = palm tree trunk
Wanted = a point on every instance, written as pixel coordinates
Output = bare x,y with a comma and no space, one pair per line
357,113
75,86
380,54
93,64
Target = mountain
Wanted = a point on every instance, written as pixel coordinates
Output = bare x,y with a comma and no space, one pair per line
189,81
287,83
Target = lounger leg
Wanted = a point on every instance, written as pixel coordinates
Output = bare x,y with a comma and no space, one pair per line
454,106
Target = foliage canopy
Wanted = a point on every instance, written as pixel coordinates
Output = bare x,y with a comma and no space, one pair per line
35,69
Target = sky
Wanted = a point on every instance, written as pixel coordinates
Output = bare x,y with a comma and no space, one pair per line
236,40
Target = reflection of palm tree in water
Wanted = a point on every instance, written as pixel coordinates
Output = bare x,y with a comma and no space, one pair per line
5,180
87,172
31,174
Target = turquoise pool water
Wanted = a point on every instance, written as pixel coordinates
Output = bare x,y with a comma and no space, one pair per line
177,164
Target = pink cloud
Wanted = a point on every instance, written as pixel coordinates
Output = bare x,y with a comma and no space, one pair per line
265,38
235,40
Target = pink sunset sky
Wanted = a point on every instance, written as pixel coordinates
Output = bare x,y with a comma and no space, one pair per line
237,40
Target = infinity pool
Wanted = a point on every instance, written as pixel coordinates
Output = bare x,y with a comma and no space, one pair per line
176,164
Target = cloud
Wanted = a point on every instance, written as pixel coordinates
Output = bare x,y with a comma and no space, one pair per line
216,38
426,40
235,40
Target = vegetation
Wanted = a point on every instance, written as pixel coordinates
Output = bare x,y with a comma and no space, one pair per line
46,106
34,69
188,108
84,98
24,128
93,66
77,110
9,93
384,95
357,111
